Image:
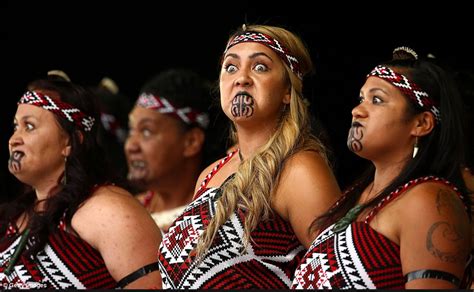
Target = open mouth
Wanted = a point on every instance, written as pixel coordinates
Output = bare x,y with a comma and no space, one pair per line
137,170
14,162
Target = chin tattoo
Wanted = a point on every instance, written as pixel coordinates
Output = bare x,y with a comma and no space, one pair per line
354,140
242,106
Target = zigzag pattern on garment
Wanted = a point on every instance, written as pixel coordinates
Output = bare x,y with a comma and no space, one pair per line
265,263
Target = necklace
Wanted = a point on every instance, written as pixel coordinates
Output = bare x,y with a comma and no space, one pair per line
350,216
17,252
345,221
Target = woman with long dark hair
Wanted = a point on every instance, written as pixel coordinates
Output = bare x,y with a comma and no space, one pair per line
74,228
405,223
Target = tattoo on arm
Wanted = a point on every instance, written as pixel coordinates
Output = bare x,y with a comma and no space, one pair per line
447,201
445,242
446,239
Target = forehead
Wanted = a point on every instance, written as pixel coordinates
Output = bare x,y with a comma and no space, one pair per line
246,49
373,83
28,110
141,115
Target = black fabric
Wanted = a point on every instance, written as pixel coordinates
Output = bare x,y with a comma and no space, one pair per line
433,274
137,274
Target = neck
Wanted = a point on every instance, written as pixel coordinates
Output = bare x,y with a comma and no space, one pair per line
384,175
250,140
174,190
44,188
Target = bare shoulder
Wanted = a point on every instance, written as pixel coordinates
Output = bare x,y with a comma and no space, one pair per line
306,189
308,170
109,199
306,166
120,228
110,208
433,198
434,230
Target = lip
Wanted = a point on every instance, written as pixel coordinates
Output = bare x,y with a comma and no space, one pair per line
137,164
244,93
356,124
16,153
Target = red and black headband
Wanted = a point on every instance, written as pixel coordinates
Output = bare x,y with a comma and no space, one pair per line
409,88
162,105
59,108
270,42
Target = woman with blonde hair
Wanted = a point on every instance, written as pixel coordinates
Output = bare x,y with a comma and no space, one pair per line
247,226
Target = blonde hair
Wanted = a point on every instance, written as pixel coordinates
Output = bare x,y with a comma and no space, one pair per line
257,177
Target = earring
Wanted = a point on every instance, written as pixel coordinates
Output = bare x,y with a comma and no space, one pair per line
415,147
63,179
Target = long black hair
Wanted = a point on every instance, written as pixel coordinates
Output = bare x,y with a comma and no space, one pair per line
441,152
86,168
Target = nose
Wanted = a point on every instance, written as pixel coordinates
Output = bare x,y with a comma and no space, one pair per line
243,79
131,144
359,111
15,139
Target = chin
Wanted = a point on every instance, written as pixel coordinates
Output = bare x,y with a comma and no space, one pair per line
22,178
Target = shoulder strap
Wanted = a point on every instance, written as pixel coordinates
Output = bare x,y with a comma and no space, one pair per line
216,168
402,189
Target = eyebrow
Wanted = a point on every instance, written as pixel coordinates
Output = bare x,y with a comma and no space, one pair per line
375,89
144,121
23,118
253,56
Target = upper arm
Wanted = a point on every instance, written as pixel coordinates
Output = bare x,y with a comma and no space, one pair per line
123,232
306,190
434,234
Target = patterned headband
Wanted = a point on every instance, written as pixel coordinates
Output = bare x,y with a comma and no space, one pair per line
162,105
59,108
270,42
409,88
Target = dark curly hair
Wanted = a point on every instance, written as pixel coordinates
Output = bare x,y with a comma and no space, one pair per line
86,168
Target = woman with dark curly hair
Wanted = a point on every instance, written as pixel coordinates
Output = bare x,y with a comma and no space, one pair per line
75,228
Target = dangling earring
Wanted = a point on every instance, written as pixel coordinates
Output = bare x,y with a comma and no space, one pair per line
415,147
63,180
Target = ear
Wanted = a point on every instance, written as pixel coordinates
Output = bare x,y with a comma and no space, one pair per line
287,97
424,124
67,148
193,142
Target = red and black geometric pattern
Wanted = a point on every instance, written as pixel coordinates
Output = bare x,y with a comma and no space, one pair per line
214,170
356,258
409,88
66,262
162,105
274,44
268,262
60,108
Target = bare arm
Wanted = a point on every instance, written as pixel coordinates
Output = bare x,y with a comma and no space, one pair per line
126,236
434,234
306,190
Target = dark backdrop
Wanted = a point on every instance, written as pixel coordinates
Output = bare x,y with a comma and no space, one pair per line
130,42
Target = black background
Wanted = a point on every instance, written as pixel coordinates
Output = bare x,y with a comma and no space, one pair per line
134,40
